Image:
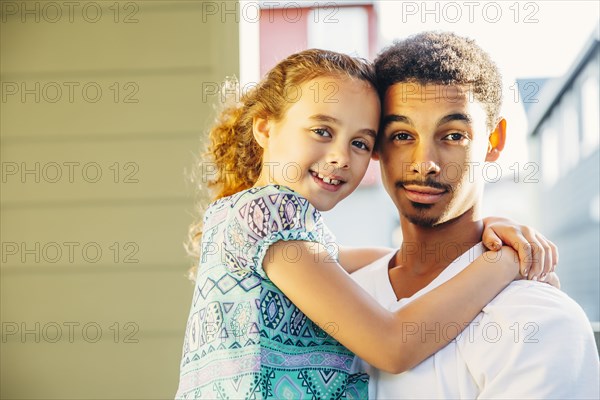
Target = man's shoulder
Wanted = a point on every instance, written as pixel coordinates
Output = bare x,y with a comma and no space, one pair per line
529,297
531,325
529,313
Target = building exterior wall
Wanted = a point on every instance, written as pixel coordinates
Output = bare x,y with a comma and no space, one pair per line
564,145
286,28
81,324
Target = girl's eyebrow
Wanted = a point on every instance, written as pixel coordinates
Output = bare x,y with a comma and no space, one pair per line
333,120
325,118
370,132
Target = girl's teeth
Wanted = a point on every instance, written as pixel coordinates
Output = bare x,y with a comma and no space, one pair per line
327,179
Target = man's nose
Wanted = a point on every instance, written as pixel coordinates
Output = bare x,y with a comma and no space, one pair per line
425,160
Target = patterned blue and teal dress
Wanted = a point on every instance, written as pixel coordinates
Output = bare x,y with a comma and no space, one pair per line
244,338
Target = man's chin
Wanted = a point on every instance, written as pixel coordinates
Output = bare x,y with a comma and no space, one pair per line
422,221
421,215
421,218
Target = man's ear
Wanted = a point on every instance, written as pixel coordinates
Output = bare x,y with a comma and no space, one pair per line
496,141
261,128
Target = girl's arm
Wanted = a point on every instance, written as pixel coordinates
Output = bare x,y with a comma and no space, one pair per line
537,255
391,341
354,258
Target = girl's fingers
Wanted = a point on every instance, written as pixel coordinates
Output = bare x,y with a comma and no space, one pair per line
538,258
554,255
524,250
491,240
549,253
553,280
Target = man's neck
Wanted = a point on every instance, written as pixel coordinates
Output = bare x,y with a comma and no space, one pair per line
427,251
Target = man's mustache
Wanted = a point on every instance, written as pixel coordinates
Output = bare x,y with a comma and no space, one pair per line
427,182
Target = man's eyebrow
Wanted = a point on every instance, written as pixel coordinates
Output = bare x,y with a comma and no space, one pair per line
456,117
388,119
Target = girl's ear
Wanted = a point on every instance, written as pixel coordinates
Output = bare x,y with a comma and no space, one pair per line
375,154
496,141
261,130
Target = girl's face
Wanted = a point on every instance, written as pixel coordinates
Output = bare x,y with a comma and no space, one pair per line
322,146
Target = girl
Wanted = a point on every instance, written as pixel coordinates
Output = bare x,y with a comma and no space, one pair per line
273,313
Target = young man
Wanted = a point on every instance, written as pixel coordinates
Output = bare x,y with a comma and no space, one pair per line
440,124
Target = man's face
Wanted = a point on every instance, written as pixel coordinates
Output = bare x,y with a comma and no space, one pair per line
433,148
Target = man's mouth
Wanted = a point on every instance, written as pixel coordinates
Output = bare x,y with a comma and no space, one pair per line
423,194
424,189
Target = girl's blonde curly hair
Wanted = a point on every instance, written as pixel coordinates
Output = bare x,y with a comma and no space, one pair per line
233,159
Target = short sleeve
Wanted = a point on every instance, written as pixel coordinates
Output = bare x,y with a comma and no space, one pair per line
265,215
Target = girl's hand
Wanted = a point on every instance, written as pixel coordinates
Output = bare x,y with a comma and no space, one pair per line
537,255
507,257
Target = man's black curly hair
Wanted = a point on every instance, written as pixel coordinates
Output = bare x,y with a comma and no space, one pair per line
442,58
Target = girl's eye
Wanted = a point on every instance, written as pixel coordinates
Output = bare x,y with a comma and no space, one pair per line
401,136
321,132
361,145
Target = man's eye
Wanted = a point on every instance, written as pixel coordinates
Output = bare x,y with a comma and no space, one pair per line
455,136
401,136
321,132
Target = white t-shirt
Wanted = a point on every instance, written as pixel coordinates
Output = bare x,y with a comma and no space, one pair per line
531,342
